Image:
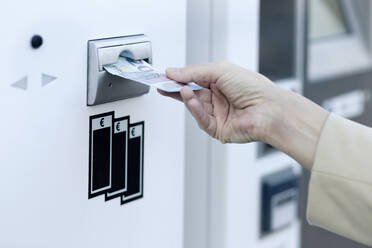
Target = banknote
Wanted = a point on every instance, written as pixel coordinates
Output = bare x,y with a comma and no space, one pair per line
142,72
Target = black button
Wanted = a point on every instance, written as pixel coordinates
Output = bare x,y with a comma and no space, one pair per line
36,41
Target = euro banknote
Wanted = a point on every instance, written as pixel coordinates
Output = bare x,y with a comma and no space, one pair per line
142,72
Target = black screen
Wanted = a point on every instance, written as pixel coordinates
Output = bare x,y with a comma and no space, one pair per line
134,166
118,163
101,158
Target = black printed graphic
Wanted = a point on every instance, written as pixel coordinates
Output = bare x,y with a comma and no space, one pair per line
100,154
135,163
119,159
101,158
115,158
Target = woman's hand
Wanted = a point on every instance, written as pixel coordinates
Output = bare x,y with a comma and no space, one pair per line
235,105
239,106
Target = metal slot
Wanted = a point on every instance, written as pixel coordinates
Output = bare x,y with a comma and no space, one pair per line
103,87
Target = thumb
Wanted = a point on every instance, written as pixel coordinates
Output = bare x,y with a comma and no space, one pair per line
204,75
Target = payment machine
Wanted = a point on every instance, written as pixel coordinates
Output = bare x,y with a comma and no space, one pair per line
339,76
244,195
88,159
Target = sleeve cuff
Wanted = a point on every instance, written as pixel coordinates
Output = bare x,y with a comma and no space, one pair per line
340,190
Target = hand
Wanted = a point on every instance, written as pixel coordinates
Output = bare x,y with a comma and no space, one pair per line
235,105
238,106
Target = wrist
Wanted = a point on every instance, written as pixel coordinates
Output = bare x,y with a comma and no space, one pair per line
295,126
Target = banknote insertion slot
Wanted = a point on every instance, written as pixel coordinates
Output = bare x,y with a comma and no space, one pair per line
103,87
110,55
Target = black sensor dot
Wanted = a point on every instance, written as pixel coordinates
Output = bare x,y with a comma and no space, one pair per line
36,41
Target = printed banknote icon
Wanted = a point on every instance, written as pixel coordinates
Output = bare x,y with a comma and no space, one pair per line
142,72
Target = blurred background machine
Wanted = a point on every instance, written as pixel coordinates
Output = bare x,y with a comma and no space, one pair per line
321,48
339,77
243,195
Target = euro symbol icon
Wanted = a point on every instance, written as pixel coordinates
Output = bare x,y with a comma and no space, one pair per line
133,131
102,122
118,127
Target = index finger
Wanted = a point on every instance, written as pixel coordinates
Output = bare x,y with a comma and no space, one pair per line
204,75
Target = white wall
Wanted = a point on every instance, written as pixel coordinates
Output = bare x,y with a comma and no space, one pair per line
44,132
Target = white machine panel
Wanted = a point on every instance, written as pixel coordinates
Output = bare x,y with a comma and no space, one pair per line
223,181
44,132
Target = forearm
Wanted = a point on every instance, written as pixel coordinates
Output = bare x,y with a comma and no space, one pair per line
296,127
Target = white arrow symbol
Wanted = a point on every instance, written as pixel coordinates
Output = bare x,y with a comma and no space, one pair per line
46,79
21,84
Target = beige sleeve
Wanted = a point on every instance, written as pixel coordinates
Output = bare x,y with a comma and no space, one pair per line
340,191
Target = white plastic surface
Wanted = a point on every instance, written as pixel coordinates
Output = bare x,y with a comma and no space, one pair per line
44,132
223,181
235,169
